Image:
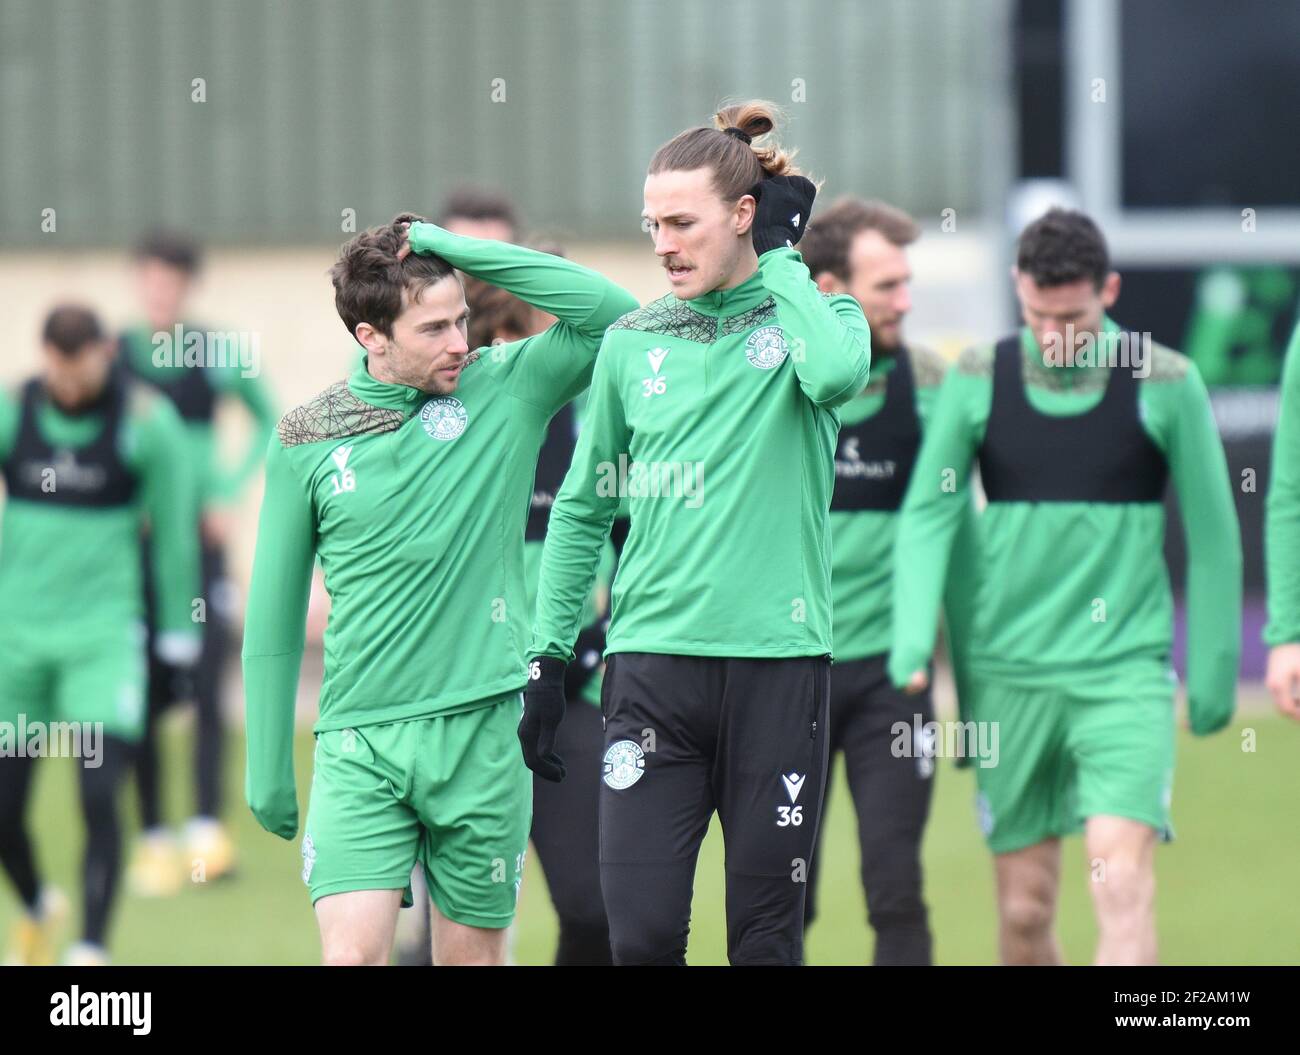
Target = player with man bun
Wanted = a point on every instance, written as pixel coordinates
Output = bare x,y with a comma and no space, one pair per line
713,410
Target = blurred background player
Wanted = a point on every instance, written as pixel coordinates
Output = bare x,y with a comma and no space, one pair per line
87,455
479,213
411,482
717,667
860,248
1282,543
1076,435
198,371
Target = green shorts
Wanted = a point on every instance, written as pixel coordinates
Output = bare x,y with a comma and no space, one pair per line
451,792
98,679
1064,756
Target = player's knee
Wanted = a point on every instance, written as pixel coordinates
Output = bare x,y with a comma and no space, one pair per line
901,912
647,942
1125,887
353,954
783,949
471,958
1026,913
583,945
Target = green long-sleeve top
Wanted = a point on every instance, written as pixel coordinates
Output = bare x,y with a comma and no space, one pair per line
862,562
75,572
215,483
717,418
1071,592
416,507
1282,510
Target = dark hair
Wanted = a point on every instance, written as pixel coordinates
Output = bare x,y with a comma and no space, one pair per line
1063,246
736,164
825,244
70,327
173,248
492,310
473,203
369,279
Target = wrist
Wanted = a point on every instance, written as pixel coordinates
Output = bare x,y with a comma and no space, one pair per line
542,668
423,237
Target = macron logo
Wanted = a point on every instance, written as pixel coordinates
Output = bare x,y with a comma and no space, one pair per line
656,357
340,457
793,784
795,221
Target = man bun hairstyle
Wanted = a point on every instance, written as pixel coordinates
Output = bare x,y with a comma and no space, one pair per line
1063,246
737,165
369,279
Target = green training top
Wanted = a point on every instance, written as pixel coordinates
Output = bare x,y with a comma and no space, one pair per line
1072,590
716,417
75,572
862,561
228,379
1282,523
416,506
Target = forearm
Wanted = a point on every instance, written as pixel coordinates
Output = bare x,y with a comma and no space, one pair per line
1282,518
570,558
828,339
922,551
269,790
1214,562
574,294
959,598
274,639
580,521
936,508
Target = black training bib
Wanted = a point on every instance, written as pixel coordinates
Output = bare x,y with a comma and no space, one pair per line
187,387
1101,455
93,476
875,457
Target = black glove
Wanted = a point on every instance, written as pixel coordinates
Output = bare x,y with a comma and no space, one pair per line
543,713
784,205
587,653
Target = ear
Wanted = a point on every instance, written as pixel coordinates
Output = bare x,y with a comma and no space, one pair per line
827,282
374,342
1110,290
744,214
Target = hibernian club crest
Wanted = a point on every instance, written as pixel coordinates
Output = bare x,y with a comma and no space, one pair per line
444,418
765,348
624,764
